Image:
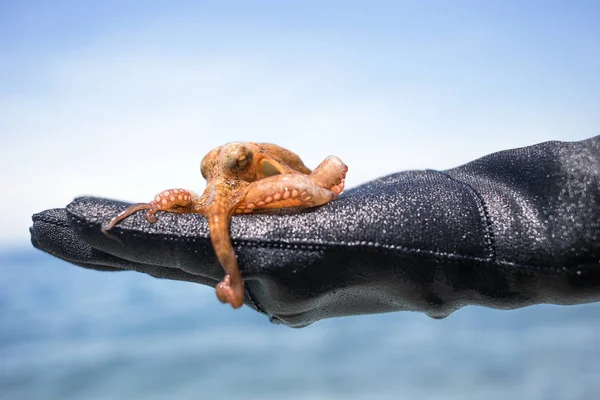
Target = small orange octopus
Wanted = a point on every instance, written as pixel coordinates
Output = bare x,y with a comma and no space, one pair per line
242,177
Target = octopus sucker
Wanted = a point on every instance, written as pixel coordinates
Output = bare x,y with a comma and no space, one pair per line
243,177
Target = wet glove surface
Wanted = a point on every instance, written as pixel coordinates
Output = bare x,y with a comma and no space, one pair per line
514,228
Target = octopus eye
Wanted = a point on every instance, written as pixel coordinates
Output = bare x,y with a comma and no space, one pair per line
239,159
270,168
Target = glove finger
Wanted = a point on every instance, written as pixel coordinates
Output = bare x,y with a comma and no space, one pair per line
175,241
52,234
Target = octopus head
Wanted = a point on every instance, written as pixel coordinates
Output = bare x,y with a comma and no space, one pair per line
230,160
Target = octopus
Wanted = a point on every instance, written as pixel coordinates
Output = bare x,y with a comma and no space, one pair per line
243,178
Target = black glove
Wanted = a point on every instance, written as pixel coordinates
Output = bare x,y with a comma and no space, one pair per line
515,228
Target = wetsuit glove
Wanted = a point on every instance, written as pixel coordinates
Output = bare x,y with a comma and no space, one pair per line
511,229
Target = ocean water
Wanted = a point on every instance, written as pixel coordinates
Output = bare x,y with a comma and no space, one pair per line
70,333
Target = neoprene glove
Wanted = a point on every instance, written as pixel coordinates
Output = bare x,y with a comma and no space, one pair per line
511,229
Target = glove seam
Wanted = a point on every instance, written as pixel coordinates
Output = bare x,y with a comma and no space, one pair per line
484,212
379,247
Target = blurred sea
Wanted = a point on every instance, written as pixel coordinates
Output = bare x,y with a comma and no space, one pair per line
70,333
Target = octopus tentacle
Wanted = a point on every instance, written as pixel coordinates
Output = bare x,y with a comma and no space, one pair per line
129,211
173,200
324,184
231,289
289,161
330,174
284,191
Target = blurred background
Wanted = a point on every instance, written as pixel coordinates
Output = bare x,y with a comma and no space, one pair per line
122,99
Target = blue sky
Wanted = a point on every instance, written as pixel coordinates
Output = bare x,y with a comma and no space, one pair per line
93,95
